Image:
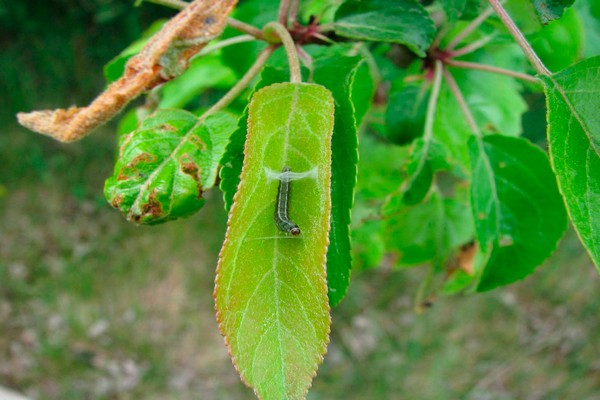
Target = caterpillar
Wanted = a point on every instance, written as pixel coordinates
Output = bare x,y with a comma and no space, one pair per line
282,219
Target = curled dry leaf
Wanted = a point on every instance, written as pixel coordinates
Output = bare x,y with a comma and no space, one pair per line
165,56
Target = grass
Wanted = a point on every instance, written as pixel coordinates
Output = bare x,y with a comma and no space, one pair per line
92,307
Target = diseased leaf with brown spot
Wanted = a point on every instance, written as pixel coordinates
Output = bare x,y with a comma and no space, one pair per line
164,57
160,180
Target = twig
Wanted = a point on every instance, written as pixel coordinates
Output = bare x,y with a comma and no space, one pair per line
471,47
290,49
520,39
242,83
244,27
294,11
284,9
470,28
225,43
461,102
490,68
176,4
232,22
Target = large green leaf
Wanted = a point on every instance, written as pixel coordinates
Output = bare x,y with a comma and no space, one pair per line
337,74
573,103
396,21
164,166
548,10
518,212
271,292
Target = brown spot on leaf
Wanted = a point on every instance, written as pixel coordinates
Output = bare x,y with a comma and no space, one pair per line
189,167
196,141
153,207
116,201
466,256
131,169
167,127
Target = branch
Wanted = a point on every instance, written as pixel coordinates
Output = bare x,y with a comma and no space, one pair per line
246,28
284,10
538,65
490,68
225,43
461,102
176,4
290,48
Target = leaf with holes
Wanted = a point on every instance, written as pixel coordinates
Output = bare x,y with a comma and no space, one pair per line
271,290
573,105
518,212
405,22
164,166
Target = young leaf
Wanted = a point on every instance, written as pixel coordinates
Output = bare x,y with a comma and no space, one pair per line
271,292
166,164
548,10
573,104
518,212
396,21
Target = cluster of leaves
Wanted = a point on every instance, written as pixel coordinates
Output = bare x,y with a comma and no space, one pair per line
446,177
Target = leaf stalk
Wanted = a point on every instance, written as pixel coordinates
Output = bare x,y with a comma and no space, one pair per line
462,103
490,68
290,48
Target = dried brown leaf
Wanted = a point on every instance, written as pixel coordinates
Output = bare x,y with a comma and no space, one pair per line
163,58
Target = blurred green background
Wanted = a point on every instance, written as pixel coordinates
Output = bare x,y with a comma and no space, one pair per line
92,307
